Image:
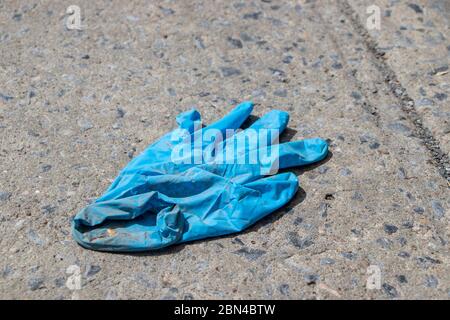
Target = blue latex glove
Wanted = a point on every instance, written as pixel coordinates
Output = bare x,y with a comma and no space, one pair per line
156,202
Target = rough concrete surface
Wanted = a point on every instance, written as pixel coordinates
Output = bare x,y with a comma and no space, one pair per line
76,106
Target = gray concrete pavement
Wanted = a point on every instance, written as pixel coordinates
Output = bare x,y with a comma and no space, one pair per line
76,106
413,42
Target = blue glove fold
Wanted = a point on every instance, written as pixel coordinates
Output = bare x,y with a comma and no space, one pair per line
166,196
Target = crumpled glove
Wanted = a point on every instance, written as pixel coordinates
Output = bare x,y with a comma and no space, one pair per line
156,202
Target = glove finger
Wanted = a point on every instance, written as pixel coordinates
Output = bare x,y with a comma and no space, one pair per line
213,135
270,159
160,151
234,119
274,121
303,152
189,120
267,161
290,154
264,132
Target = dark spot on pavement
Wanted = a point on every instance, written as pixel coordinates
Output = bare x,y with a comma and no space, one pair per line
349,255
5,97
4,196
389,290
284,289
235,43
230,71
431,281
440,96
384,243
415,7
35,283
254,15
438,210
92,270
301,243
287,59
250,254
356,95
329,196
390,229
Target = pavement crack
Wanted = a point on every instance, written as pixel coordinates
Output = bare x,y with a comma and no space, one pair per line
364,103
439,158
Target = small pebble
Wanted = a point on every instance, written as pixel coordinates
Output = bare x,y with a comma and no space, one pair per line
92,270
85,124
284,289
389,290
438,210
415,7
349,255
390,229
254,16
4,196
230,71
250,254
431,281
356,95
35,283
311,279
287,59
419,210
235,43
402,279
326,261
